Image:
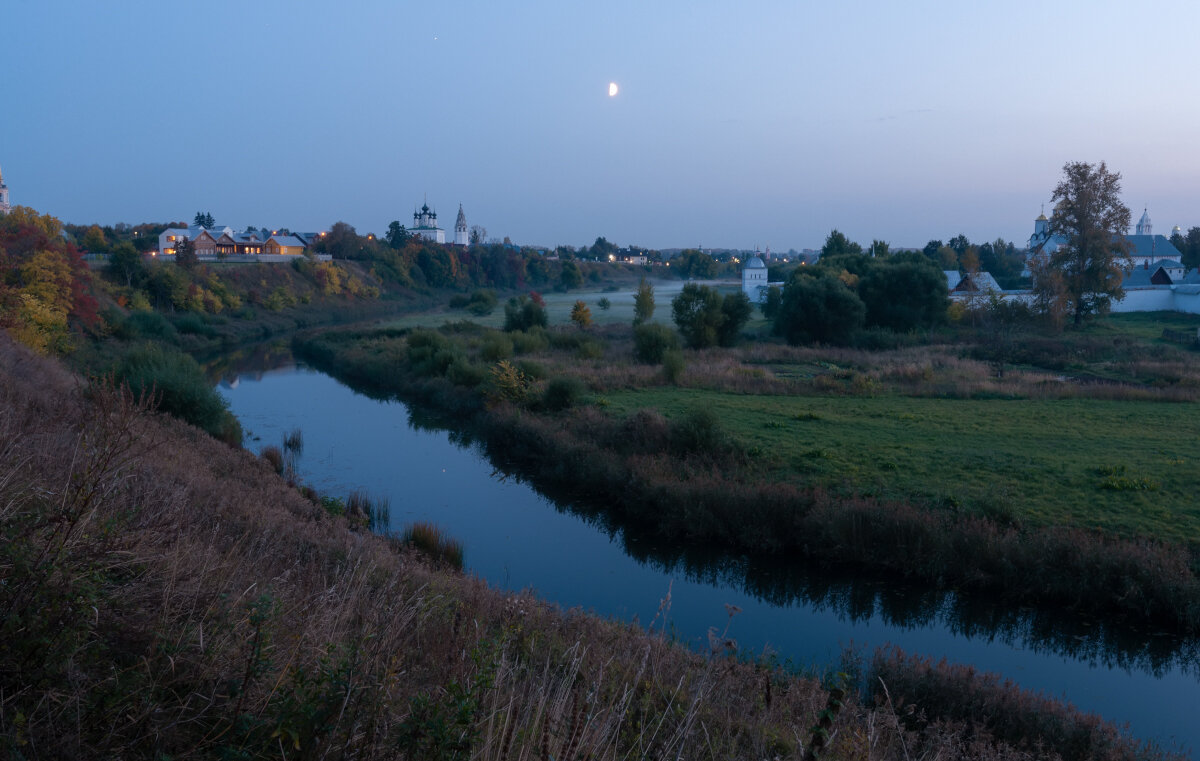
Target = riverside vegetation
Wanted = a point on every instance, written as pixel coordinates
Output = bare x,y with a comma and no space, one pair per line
167,595
918,460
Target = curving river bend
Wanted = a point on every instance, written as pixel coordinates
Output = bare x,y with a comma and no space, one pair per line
519,539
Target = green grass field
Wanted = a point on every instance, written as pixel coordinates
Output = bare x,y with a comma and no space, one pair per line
1042,461
1146,326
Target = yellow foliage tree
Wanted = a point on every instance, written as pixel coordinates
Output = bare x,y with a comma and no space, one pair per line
581,315
44,301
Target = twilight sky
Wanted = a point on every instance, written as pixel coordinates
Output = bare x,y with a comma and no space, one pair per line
737,124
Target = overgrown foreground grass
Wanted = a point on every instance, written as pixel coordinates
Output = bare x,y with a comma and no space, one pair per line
166,596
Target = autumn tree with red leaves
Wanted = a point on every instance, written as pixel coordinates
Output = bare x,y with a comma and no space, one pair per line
44,282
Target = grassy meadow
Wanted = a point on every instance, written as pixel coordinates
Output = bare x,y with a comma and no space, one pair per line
1127,467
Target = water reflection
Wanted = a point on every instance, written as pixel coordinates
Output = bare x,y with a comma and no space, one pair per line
858,596
853,596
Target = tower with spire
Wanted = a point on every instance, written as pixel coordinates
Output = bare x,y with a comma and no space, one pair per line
4,204
460,228
1143,226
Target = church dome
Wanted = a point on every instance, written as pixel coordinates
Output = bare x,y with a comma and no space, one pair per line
1041,218
755,264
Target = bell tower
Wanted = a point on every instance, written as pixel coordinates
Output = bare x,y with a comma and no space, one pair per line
460,228
4,204
1144,227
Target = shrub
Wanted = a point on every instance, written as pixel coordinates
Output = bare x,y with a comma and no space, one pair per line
374,513
274,457
563,393
699,431
673,365
508,383
179,388
651,341
147,325
464,373
581,315
523,312
697,314
530,341
645,430
496,346
482,302
904,295
736,309
431,353
820,308
434,544
643,303
532,369
590,350
459,301
771,304
604,304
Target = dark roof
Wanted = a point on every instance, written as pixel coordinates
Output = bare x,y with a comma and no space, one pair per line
1138,277
1152,246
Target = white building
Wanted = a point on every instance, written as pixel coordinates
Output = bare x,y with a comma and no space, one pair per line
754,280
460,229
169,238
425,225
1145,248
5,206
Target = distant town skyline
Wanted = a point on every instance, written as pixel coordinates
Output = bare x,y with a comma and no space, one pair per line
730,126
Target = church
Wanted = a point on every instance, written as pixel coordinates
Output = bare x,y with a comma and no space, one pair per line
754,280
1145,248
425,225
5,206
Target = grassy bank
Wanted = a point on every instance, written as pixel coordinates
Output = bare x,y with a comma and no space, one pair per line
167,596
919,461
1125,467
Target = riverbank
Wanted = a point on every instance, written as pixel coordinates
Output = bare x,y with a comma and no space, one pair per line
190,603
565,413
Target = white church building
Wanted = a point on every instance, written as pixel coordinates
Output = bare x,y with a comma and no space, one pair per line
1157,281
425,224
1145,248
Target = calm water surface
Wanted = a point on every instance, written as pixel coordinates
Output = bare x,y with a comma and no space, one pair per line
517,539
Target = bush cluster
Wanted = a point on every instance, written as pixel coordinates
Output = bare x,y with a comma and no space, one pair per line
651,341
177,386
831,302
523,313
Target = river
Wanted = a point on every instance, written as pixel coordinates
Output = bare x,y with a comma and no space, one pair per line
518,539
